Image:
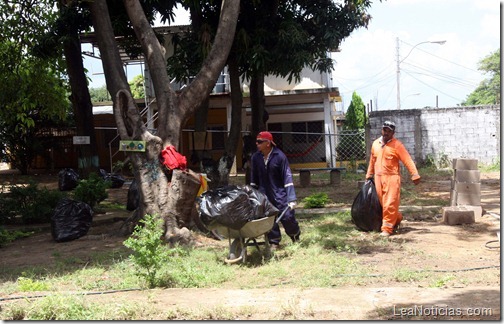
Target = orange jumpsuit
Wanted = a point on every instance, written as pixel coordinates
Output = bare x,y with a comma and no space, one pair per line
384,165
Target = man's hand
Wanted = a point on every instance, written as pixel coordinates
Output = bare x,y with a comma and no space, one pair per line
292,205
416,181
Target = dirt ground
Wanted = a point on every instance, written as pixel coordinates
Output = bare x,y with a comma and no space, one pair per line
470,253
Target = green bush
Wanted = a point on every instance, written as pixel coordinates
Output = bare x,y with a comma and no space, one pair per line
149,251
316,200
31,204
9,236
92,190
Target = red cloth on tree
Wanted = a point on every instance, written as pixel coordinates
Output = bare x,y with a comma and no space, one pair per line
173,159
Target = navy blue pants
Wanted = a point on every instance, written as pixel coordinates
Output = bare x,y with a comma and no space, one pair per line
289,224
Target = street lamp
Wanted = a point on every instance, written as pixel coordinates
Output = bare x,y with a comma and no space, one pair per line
398,73
412,94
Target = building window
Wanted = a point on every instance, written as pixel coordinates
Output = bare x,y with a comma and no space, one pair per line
219,136
316,127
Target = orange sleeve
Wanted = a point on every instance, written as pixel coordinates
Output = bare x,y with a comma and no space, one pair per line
371,167
408,162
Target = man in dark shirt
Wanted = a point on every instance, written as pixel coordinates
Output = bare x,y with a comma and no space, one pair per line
272,175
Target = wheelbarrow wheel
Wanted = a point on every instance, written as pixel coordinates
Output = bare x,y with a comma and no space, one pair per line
237,251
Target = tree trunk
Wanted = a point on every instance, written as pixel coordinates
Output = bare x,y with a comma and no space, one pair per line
257,103
174,110
226,161
88,160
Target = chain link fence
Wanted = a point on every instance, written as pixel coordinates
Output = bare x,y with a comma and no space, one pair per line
307,150
303,149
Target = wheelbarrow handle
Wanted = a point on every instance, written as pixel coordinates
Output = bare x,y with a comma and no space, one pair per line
282,214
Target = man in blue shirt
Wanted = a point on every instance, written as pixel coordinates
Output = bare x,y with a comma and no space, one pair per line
272,175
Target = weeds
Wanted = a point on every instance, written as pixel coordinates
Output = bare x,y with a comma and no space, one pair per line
92,190
28,284
316,200
149,251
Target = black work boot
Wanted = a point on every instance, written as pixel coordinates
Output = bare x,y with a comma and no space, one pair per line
295,238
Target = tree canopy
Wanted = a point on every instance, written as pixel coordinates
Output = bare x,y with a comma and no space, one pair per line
355,118
488,91
33,89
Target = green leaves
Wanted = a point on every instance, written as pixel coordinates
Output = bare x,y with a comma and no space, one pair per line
149,252
488,91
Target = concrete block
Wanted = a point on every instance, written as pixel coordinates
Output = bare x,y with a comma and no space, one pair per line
478,210
465,164
304,178
453,198
335,177
470,176
468,188
456,215
468,199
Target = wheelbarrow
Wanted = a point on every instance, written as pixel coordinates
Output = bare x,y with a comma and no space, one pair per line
247,236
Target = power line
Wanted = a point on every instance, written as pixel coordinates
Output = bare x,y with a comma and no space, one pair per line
444,77
437,89
441,58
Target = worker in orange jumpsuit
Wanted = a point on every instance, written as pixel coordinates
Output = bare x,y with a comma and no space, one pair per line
386,153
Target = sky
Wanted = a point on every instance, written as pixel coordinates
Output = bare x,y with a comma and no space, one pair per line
430,74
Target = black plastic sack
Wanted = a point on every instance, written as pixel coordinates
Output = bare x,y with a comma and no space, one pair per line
71,219
68,179
133,196
366,208
260,203
234,206
116,180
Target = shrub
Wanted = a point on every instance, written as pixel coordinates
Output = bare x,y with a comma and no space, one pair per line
33,205
316,200
92,190
9,236
149,251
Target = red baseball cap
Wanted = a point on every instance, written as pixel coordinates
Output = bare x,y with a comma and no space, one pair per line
266,136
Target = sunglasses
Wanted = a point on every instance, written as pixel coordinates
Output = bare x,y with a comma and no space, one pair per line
260,141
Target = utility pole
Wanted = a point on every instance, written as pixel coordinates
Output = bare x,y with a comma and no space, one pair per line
398,66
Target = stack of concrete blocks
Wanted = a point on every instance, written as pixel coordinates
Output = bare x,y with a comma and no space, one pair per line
465,193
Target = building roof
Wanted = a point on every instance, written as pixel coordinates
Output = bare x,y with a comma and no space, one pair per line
90,38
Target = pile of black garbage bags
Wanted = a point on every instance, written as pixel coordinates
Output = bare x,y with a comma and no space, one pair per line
72,219
68,179
234,206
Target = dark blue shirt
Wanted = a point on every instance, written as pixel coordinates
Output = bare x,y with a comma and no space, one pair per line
274,179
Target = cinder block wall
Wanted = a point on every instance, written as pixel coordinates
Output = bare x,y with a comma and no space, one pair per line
459,132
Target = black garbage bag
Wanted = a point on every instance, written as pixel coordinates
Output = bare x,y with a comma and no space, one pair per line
366,208
116,180
68,179
71,219
260,203
103,173
234,206
228,205
133,196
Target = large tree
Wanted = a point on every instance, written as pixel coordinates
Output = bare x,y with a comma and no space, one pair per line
33,89
488,91
158,196
273,38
